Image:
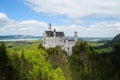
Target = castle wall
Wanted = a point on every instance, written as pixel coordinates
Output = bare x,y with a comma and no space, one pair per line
69,46
52,42
65,44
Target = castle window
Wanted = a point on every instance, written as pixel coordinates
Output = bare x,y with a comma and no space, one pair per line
68,48
64,41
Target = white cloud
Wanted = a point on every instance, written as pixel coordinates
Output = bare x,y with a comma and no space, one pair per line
76,8
102,29
28,27
33,27
4,19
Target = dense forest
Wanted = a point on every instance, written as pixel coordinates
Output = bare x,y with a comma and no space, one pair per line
31,61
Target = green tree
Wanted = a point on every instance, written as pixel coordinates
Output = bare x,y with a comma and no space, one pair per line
82,60
3,61
57,56
115,60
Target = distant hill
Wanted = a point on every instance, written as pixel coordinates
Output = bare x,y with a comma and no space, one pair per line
19,37
115,40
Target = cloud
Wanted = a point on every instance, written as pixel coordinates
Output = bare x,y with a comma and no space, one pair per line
75,9
101,29
34,27
4,19
28,27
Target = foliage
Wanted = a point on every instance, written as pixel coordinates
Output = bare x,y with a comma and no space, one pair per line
82,60
3,61
30,63
92,65
58,58
82,46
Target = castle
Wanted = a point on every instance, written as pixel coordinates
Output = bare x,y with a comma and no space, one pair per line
53,38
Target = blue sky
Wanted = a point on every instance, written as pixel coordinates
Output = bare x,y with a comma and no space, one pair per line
17,10
90,18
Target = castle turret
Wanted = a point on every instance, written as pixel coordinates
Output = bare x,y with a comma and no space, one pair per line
54,32
75,36
50,27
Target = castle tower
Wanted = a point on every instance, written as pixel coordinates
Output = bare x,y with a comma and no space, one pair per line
50,27
54,32
75,36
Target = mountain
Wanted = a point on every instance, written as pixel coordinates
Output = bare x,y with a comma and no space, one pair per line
115,40
19,37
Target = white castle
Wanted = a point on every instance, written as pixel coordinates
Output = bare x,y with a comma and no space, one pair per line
52,38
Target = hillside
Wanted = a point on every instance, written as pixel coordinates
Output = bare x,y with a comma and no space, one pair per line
115,40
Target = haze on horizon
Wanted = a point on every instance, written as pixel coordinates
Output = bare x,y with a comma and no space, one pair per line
90,18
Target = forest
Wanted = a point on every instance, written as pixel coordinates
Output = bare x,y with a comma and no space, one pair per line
31,61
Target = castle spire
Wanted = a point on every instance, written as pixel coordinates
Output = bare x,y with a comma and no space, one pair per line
75,36
50,27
